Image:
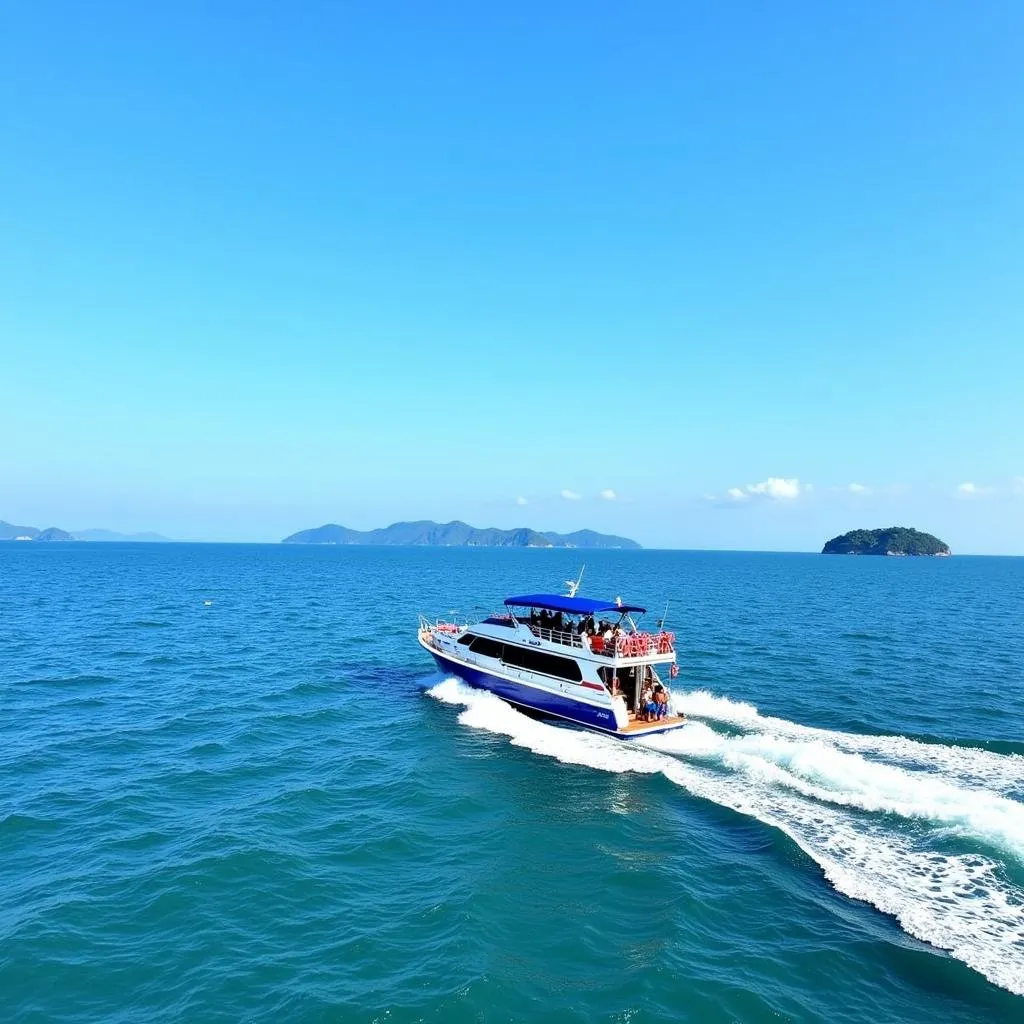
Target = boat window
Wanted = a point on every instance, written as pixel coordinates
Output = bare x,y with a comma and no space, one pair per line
541,661
486,646
466,639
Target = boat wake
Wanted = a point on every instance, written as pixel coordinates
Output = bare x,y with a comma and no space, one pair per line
972,765
924,832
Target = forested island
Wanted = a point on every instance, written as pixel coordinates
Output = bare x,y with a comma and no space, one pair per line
456,534
893,540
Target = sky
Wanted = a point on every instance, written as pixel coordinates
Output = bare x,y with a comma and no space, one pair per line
706,274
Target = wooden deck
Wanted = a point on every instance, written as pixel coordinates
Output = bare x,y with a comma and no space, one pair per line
638,725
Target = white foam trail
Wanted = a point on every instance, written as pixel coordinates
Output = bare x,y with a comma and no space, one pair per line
971,765
961,903
820,771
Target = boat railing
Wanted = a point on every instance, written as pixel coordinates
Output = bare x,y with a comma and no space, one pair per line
634,645
442,626
555,636
625,645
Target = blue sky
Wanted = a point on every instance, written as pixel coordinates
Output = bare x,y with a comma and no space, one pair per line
266,266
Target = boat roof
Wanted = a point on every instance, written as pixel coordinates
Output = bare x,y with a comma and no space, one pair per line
574,605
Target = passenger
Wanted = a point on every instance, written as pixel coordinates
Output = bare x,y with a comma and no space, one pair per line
661,701
556,621
647,706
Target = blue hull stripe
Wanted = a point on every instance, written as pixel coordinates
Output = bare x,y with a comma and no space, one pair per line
530,696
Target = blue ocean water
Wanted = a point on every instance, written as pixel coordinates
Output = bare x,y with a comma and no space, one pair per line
232,787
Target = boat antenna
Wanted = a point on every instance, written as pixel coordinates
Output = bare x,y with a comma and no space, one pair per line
664,618
574,585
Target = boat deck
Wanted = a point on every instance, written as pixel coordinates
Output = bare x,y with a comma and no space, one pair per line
638,725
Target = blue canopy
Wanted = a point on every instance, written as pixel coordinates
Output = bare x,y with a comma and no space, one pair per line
573,605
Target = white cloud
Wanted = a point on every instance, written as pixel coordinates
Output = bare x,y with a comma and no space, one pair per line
858,489
570,495
972,490
521,500
608,494
776,487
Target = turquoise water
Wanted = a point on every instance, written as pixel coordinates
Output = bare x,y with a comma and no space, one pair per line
272,808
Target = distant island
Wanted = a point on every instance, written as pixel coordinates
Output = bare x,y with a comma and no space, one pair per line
52,534
8,531
456,534
112,537
894,540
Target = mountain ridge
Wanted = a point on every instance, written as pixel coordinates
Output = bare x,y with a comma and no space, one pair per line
427,533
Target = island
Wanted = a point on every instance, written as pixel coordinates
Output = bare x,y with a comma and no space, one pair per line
8,531
458,534
51,535
892,541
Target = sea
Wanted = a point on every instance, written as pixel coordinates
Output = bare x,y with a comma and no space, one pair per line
234,788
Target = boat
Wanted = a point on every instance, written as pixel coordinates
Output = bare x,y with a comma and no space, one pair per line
579,659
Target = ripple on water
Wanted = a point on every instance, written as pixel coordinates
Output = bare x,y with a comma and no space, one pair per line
249,810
